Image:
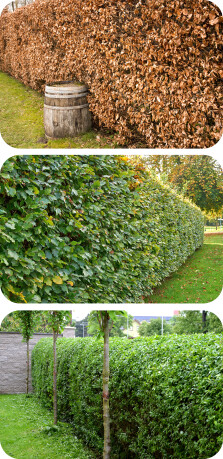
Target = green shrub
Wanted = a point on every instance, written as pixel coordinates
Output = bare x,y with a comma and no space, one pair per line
165,393
84,229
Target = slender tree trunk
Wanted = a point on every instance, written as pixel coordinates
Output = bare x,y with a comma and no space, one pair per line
27,366
204,320
54,377
106,414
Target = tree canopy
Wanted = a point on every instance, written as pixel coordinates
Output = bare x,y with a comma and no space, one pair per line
190,322
119,323
154,327
40,322
199,177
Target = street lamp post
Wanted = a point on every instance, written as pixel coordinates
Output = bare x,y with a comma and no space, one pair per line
83,325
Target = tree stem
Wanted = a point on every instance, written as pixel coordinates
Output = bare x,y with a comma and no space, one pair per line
27,366
204,320
106,414
54,377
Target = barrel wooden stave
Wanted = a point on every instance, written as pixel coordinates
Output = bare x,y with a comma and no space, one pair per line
66,111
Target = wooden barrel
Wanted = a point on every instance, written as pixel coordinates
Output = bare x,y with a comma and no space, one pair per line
66,110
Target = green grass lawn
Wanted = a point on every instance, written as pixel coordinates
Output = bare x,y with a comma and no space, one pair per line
26,432
21,126
199,280
212,229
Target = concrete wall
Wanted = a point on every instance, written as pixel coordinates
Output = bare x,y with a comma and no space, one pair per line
69,332
13,362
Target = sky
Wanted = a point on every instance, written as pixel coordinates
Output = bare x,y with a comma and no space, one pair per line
133,310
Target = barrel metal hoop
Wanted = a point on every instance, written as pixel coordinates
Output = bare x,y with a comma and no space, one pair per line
64,96
74,107
53,90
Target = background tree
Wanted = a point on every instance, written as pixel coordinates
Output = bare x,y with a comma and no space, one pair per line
198,177
214,324
119,324
160,164
190,322
154,327
11,323
27,324
57,320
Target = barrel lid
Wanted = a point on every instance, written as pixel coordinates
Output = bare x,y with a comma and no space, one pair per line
66,87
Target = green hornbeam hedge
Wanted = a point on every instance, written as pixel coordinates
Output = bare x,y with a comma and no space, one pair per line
83,229
165,393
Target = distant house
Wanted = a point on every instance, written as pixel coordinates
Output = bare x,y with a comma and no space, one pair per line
132,331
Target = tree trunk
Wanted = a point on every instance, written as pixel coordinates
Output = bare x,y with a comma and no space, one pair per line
54,377
204,320
71,318
106,414
27,366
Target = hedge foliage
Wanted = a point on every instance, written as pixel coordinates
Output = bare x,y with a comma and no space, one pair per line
89,229
153,68
165,393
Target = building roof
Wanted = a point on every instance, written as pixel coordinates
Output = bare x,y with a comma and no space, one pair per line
148,318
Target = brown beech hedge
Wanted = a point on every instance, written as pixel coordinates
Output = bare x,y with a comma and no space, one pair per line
153,68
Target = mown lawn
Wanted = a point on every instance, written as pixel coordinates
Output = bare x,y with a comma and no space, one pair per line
199,280
26,432
21,126
212,229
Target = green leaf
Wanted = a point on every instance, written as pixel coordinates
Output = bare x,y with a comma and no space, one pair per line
13,254
48,281
11,191
96,184
10,225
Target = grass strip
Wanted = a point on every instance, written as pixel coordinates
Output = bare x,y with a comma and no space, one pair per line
21,111
199,280
27,431
212,229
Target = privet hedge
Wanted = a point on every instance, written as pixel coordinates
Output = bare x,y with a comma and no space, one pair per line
165,393
153,67
89,229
